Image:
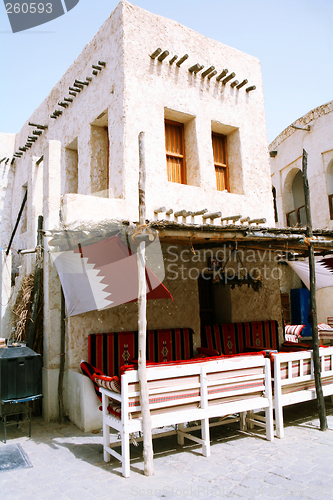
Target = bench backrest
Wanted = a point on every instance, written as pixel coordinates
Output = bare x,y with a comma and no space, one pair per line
110,351
294,371
182,387
235,338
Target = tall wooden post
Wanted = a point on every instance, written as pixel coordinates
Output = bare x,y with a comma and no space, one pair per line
37,282
313,304
142,321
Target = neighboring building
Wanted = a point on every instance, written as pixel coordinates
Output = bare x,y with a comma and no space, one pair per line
205,147
314,133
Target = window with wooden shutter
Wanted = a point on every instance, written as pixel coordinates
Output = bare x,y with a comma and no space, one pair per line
175,151
220,161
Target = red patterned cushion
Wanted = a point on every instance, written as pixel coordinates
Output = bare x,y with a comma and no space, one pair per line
110,383
294,329
233,338
110,351
90,371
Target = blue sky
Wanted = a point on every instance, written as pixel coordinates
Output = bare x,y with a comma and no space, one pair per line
293,40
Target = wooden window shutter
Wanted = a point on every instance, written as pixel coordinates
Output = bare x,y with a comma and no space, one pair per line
220,161
175,151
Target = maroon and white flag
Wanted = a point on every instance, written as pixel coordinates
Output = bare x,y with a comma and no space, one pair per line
103,275
323,271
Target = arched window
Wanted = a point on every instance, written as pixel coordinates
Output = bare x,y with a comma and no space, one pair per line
297,217
330,187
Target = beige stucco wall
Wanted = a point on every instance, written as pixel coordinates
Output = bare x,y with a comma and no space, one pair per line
318,143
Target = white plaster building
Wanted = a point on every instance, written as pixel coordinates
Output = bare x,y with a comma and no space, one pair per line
314,133
79,163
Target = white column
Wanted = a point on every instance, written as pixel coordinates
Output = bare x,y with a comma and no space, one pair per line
52,290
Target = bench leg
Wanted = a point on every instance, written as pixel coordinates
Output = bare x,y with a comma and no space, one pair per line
205,437
269,423
243,424
251,416
279,420
106,442
125,452
180,437
106,431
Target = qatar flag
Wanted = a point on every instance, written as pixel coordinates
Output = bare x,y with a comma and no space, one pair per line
105,274
323,271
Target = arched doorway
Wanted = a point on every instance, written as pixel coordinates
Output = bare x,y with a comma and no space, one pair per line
297,216
330,187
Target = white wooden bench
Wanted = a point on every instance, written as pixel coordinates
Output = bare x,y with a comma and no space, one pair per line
294,380
180,393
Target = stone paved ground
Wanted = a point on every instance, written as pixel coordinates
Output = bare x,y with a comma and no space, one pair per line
68,464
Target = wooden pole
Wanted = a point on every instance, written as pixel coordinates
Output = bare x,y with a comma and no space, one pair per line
36,291
313,304
142,321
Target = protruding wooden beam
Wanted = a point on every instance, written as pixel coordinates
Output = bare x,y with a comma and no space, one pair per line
63,104
234,83
3,159
233,218
88,78
156,53
257,221
102,63
244,219
42,127
228,78
195,68
39,160
96,67
169,211
173,59
68,99
200,212
241,84
162,56
159,210
95,72
81,83
32,138
72,93
180,213
253,87
74,89
37,132
181,60
78,85
213,73
22,149
207,71
212,215
221,75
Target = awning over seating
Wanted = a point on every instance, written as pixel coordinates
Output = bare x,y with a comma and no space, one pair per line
323,270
